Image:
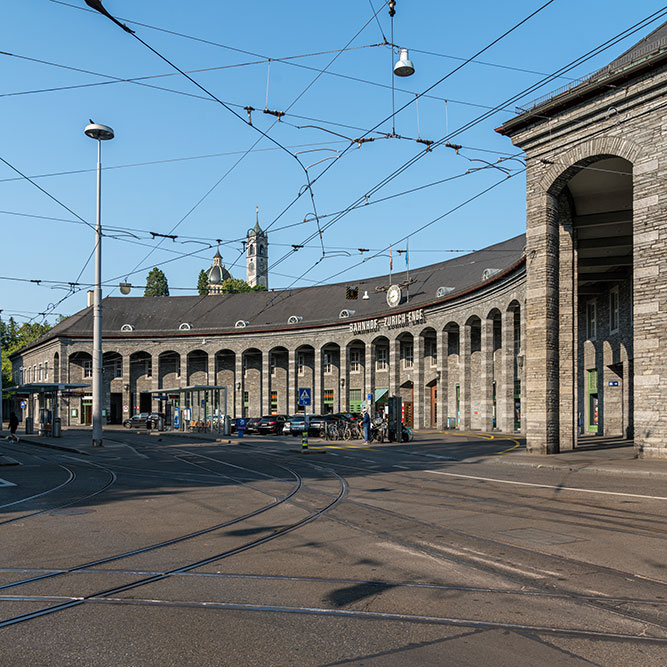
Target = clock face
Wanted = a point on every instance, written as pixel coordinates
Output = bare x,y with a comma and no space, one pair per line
394,296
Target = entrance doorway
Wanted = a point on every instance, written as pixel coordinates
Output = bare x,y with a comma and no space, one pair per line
115,408
592,403
434,406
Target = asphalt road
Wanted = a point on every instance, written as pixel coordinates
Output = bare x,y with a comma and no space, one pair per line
176,551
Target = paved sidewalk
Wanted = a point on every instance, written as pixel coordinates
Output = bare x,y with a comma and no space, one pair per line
618,460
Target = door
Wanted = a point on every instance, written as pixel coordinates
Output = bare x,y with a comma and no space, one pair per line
434,406
592,406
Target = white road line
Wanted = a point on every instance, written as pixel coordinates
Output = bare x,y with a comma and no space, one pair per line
4,482
368,461
548,486
401,467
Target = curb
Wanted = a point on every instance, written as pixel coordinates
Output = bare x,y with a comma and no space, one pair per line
50,446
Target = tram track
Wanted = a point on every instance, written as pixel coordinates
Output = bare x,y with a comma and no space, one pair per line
312,516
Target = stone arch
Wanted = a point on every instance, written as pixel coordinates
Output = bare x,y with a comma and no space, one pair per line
169,369
251,382
80,367
279,372
333,381
359,369
197,368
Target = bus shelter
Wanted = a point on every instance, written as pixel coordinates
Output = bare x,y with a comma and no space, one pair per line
200,407
37,405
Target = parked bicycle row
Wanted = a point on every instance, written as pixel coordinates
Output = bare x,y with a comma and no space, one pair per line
338,426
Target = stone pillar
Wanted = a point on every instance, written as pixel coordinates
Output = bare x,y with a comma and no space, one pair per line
292,403
418,381
343,380
210,376
316,399
486,383
239,384
465,340
541,352
155,372
567,342
394,365
650,301
442,341
265,385
369,374
127,387
505,376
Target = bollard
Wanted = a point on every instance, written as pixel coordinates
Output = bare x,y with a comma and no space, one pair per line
304,440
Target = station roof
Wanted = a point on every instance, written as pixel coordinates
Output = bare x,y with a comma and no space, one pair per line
307,306
649,53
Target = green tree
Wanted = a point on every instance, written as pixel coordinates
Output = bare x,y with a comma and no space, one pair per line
13,338
235,285
156,283
202,283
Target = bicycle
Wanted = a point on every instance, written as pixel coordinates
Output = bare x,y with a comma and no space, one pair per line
352,432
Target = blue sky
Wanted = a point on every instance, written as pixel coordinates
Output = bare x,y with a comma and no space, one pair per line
179,163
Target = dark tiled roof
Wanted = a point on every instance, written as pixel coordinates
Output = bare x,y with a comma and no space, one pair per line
270,310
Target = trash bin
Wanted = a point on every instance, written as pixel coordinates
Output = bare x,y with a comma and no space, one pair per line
28,426
57,430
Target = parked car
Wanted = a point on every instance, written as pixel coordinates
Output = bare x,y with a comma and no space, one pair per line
138,421
251,424
271,424
295,425
318,423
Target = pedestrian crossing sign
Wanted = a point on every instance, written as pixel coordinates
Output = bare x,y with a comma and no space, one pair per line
304,396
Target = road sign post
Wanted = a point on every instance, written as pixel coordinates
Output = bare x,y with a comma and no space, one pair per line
304,396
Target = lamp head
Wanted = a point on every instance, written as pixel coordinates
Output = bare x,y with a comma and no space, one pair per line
404,66
99,132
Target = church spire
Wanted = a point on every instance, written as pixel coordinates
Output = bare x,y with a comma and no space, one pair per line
257,229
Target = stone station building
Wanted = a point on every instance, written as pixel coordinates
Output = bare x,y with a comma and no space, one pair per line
559,333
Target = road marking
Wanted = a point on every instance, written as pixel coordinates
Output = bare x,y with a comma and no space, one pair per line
368,460
401,467
4,482
548,486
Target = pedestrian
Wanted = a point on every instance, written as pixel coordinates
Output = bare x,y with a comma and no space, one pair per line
366,424
13,425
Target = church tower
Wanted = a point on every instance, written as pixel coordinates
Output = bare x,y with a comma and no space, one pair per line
257,255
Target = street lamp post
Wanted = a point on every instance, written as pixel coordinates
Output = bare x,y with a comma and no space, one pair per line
100,133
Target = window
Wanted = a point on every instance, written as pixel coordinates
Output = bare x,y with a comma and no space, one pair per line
273,365
591,328
114,368
381,358
355,361
407,354
88,368
46,371
326,362
274,402
355,400
328,400
301,363
613,310
245,399
40,372
148,367
245,366
432,352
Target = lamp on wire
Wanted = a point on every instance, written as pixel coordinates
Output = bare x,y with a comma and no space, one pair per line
404,66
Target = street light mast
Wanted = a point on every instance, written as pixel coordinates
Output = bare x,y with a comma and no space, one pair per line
100,133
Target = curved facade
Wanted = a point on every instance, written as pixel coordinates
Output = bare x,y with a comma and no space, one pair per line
451,348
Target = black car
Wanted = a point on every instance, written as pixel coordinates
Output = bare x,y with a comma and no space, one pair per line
271,424
139,421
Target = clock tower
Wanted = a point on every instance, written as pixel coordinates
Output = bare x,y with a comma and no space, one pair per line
257,255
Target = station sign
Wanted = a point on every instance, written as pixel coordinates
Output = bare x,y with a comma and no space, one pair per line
397,321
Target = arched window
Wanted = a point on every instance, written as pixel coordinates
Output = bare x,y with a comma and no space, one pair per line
252,249
261,251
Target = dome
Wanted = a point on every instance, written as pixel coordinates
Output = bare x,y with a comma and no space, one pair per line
217,274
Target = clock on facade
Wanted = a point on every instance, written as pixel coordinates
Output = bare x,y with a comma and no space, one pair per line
394,296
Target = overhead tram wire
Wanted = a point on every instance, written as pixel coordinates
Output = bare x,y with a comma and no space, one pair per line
261,132
578,61
393,113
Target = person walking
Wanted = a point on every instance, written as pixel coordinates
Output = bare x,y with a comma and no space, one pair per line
13,425
366,424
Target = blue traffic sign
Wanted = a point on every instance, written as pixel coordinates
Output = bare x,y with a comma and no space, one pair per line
304,396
